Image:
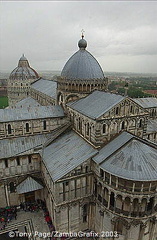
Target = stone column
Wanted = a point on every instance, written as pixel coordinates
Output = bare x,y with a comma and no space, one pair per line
116,182
131,202
142,188
102,194
141,232
6,194
115,198
109,195
133,187
110,180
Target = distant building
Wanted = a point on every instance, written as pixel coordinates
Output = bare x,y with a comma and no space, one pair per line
19,81
152,92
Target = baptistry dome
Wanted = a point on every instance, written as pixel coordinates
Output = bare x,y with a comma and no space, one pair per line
82,65
23,71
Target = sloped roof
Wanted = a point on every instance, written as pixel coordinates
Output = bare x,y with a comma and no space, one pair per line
15,146
66,153
152,126
96,104
130,158
27,102
28,185
41,112
146,102
45,86
112,146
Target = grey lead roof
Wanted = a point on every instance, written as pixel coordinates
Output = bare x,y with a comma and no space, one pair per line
82,65
112,146
16,146
28,185
96,104
41,112
27,102
152,126
130,158
66,153
45,86
146,102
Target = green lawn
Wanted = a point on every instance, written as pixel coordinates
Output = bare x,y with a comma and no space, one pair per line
3,102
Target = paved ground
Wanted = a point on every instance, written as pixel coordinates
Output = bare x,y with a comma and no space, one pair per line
30,222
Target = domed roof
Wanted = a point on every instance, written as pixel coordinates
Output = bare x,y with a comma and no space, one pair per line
82,65
23,70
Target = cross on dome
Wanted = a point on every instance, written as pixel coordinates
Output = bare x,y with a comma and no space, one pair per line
82,33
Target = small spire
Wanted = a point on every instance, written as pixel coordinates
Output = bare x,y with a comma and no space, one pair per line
82,33
23,55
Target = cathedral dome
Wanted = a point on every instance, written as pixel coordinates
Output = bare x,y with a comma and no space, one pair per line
23,70
82,65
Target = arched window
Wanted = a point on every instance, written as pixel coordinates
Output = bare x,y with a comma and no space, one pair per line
18,161
131,109
123,125
44,124
27,127
85,212
79,124
84,87
9,129
117,110
6,163
12,187
104,128
150,204
29,159
112,200
140,123
87,130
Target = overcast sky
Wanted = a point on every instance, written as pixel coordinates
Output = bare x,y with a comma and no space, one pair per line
121,35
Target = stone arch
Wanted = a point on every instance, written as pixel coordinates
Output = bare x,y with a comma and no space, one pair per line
60,98
132,122
140,123
106,194
135,204
150,204
80,87
12,187
72,87
127,202
71,97
84,87
88,87
113,127
144,202
119,203
112,200
122,125
77,87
